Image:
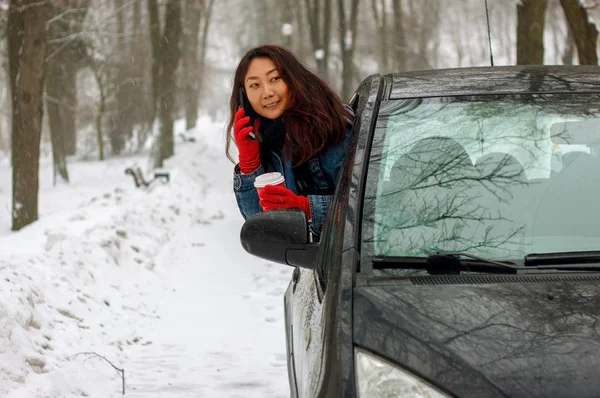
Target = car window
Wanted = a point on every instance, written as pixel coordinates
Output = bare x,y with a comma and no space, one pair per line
497,176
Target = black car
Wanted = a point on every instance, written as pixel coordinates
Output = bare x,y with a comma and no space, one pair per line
461,252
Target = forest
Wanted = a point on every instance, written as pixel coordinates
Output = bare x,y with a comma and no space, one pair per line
96,79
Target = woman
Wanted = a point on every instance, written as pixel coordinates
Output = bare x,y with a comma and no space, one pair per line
285,118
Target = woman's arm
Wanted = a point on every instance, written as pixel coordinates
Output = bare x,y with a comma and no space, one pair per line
245,193
318,210
332,160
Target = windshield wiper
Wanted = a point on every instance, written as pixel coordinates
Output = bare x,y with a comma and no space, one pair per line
545,260
446,263
452,263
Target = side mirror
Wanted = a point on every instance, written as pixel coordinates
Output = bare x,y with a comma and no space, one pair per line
281,236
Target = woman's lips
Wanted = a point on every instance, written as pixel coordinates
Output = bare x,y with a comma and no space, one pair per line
271,105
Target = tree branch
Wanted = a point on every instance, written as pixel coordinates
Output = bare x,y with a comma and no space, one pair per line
120,371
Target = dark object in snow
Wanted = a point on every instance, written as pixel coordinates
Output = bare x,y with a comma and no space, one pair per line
138,177
162,175
185,138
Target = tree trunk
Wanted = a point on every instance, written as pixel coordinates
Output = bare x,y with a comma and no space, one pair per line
428,32
323,65
190,62
379,15
206,19
100,110
122,129
66,51
287,17
68,110
319,22
302,46
263,28
54,84
99,134
530,31
61,81
567,57
170,54
399,37
140,53
584,31
27,48
154,23
347,44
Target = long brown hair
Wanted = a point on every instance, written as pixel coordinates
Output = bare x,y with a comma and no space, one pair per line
315,115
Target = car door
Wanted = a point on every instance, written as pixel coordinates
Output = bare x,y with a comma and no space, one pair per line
304,312
288,300
304,318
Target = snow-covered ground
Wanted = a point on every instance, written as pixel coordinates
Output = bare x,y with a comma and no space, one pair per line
152,281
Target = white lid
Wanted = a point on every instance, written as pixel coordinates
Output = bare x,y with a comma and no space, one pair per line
268,179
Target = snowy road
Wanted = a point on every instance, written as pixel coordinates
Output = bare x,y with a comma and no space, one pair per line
220,332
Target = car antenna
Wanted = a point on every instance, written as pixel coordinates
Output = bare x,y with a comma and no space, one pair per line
487,16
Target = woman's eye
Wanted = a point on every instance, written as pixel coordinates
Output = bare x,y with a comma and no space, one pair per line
276,78
253,85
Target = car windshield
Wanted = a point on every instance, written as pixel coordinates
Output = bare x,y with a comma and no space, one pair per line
497,176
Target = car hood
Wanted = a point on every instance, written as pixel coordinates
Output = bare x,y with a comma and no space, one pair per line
488,340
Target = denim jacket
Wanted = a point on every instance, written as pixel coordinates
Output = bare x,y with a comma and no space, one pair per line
324,169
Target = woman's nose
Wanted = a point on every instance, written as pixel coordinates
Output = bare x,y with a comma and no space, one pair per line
268,91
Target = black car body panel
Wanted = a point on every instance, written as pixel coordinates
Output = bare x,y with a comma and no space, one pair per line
495,340
496,80
338,381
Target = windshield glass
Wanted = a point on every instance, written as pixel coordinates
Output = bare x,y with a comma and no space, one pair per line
494,176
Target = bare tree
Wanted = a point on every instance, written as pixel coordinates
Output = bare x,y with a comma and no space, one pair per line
190,46
287,19
301,41
378,8
27,48
423,18
584,31
65,52
399,36
122,127
196,19
154,24
100,81
390,30
139,76
318,15
530,31
563,44
168,57
347,32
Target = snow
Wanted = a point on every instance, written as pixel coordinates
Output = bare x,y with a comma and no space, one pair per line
152,281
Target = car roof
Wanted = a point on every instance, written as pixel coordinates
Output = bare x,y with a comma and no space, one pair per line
495,80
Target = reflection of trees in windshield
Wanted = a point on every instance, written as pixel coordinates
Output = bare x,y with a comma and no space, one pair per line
437,192
462,175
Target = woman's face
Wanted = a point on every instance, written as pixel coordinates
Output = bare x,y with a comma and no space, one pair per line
267,92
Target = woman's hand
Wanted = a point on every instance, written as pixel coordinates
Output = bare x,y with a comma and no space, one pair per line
249,155
278,197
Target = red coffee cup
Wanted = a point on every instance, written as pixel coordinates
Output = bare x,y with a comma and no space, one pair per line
263,180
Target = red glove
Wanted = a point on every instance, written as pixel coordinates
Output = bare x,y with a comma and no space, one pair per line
249,157
278,197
